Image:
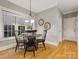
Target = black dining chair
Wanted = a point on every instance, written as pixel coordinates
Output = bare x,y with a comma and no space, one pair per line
43,39
31,45
19,41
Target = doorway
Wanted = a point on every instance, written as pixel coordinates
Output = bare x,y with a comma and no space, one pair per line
70,29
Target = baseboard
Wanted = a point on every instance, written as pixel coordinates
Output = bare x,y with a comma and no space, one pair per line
52,43
7,47
70,40
13,45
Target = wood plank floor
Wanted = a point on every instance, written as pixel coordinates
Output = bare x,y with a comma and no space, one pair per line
65,50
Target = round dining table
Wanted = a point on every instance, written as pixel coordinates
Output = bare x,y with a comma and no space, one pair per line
27,35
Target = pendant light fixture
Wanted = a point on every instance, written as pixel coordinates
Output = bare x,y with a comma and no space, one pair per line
30,9
31,18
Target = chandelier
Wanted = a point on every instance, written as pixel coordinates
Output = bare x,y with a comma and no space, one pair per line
31,19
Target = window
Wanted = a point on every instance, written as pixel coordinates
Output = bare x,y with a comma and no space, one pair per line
8,21
21,29
9,30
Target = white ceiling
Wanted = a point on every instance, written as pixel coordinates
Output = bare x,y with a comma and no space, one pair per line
39,5
67,6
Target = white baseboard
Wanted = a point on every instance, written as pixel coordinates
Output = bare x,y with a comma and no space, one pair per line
7,47
52,43
14,44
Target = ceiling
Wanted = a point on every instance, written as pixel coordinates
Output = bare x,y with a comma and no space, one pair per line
65,6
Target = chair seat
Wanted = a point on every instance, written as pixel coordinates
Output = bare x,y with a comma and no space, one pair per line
20,41
30,48
39,40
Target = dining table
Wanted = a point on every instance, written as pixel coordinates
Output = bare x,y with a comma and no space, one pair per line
31,33
31,39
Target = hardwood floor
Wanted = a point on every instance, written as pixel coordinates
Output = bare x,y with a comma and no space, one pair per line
65,50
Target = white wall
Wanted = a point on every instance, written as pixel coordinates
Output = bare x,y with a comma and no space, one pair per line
10,41
70,28
3,43
53,16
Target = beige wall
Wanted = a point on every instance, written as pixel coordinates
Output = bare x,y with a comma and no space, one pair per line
53,16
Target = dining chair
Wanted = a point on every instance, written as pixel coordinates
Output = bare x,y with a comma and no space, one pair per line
43,39
31,45
19,41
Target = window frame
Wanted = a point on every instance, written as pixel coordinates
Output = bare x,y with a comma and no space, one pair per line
10,31
21,29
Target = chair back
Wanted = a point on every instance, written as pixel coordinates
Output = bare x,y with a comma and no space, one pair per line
31,40
44,35
16,38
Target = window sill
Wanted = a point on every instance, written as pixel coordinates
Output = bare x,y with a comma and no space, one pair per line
7,38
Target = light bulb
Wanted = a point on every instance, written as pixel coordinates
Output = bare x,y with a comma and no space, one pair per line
26,21
32,21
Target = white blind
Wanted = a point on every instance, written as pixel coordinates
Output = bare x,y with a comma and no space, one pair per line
8,18
20,20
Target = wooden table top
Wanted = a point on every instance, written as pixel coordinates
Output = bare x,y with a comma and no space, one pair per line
28,31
